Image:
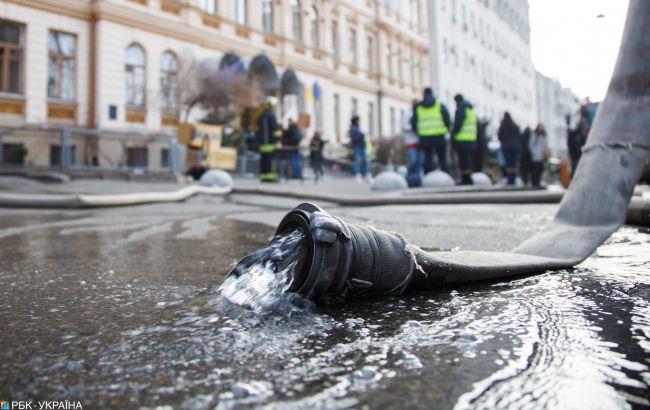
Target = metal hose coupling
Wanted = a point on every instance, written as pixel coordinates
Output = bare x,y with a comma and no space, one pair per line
346,259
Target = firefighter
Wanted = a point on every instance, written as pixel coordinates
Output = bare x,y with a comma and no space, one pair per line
268,136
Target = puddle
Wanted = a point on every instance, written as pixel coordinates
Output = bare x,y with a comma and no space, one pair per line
140,325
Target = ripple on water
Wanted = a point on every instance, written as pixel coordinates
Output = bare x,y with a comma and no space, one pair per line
569,339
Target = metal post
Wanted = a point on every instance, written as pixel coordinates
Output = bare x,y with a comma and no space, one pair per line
65,151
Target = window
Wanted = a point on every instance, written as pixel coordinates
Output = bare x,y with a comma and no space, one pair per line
164,157
296,20
240,12
14,154
445,50
389,61
61,65
371,119
11,57
412,67
137,157
399,64
335,40
393,128
473,24
337,115
464,16
313,24
169,82
355,106
55,155
209,6
267,15
453,11
134,76
353,47
415,12
371,54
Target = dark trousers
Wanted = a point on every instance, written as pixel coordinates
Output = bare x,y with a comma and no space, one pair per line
466,163
525,168
536,174
438,144
317,165
511,157
574,164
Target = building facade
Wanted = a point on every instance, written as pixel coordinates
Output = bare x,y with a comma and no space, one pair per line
557,110
115,67
481,49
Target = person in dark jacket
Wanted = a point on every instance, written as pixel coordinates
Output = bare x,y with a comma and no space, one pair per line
525,162
316,155
268,135
481,145
464,136
431,122
291,146
511,145
358,139
539,153
578,138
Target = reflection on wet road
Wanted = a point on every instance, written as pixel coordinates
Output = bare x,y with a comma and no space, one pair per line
115,313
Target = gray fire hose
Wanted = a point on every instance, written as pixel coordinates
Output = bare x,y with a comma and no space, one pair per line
94,201
348,259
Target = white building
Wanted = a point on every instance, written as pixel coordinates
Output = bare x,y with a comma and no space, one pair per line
113,67
481,49
557,110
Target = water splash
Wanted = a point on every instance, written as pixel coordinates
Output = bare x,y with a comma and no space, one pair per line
262,279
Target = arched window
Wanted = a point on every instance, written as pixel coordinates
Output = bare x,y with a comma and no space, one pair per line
296,19
267,15
240,12
135,76
313,24
169,82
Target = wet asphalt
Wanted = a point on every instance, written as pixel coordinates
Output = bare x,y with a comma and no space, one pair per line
116,308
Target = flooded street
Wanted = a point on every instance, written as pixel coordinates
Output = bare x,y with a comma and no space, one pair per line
120,308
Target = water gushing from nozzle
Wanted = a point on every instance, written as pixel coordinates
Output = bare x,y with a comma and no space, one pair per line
262,279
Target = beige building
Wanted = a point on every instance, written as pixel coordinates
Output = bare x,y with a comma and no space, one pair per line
111,70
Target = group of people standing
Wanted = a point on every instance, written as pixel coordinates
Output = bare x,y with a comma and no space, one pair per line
425,132
279,149
524,152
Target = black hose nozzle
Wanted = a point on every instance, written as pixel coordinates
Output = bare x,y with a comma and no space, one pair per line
346,259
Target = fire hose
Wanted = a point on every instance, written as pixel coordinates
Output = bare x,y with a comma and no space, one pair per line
348,259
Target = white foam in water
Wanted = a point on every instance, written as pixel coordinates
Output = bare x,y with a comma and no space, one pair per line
263,285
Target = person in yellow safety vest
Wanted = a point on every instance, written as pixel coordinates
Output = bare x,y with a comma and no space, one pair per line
268,136
464,137
430,121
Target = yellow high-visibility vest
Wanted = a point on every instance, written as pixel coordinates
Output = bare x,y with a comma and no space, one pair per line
468,131
430,122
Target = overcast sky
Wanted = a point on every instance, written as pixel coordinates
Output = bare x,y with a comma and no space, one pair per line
571,43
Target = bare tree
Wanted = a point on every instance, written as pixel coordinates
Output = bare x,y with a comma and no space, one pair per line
222,92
